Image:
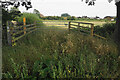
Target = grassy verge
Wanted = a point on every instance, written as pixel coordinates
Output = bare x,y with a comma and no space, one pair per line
57,53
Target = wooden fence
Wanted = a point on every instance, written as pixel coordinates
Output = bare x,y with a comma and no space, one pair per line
88,29
14,33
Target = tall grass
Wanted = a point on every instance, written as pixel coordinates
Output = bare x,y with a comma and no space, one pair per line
60,54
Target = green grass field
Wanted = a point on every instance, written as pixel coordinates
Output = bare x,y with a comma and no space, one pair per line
60,23
53,52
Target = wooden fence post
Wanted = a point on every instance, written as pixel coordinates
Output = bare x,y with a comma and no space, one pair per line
78,25
12,36
69,25
24,23
9,37
92,29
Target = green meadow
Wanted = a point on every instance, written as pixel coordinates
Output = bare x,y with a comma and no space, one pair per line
55,52
52,52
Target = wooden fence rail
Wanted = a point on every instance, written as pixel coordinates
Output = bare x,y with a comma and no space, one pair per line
15,33
87,29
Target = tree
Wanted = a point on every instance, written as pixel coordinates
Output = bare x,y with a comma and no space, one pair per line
65,15
6,15
116,35
73,18
36,12
14,13
117,30
16,4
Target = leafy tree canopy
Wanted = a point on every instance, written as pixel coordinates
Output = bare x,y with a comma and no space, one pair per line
12,14
65,15
16,4
92,2
36,12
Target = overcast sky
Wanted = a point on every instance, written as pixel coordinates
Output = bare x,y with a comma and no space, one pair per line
73,7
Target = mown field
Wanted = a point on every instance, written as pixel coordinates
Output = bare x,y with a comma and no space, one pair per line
53,52
101,27
53,22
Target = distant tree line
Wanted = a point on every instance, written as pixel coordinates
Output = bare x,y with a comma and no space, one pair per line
58,18
52,18
66,16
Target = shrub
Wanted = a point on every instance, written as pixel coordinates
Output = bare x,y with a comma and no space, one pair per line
106,30
30,19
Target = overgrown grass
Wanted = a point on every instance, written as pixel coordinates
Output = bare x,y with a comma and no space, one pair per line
56,53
